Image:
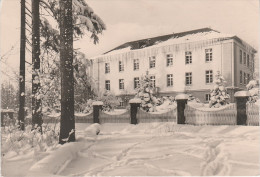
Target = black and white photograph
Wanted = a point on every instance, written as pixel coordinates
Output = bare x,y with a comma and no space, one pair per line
129,88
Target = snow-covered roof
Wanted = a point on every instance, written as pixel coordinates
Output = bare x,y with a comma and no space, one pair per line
197,35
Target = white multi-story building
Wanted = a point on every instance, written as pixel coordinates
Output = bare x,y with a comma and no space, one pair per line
177,63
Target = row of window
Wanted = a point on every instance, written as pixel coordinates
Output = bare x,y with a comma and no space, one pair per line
169,61
169,78
245,59
244,78
208,77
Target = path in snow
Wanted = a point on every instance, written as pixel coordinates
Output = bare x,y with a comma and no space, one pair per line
147,150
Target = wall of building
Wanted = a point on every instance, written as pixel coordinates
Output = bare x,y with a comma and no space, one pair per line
242,67
227,65
225,60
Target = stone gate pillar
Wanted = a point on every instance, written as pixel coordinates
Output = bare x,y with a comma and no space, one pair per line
241,99
97,106
134,105
181,102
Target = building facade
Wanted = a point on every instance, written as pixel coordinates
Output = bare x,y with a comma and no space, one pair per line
184,62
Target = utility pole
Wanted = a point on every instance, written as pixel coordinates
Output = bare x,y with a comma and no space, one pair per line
22,68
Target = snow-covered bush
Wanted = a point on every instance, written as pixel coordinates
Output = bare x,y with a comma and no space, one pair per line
86,107
165,103
16,142
110,101
149,102
253,88
191,98
219,95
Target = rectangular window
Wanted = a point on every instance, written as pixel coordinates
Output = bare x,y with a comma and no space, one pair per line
107,84
136,64
241,77
121,84
121,66
188,57
152,62
244,78
169,80
207,97
247,63
136,82
208,53
240,56
107,68
209,76
244,58
248,78
188,78
169,59
152,78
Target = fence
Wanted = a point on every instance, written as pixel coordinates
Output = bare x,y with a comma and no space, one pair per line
114,118
51,119
106,117
241,113
84,118
193,115
211,116
252,111
146,117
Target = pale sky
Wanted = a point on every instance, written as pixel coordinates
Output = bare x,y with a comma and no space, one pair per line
129,20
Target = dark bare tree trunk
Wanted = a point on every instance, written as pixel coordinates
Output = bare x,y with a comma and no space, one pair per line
67,122
36,100
22,68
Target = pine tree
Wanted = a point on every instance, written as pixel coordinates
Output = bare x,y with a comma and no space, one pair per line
145,92
85,21
219,95
67,122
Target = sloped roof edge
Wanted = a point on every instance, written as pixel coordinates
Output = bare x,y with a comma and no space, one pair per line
160,38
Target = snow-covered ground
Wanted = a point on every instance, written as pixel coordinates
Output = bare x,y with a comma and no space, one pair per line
154,149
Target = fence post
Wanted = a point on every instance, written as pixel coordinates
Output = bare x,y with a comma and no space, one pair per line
97,106
241,99
181,102
134,104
